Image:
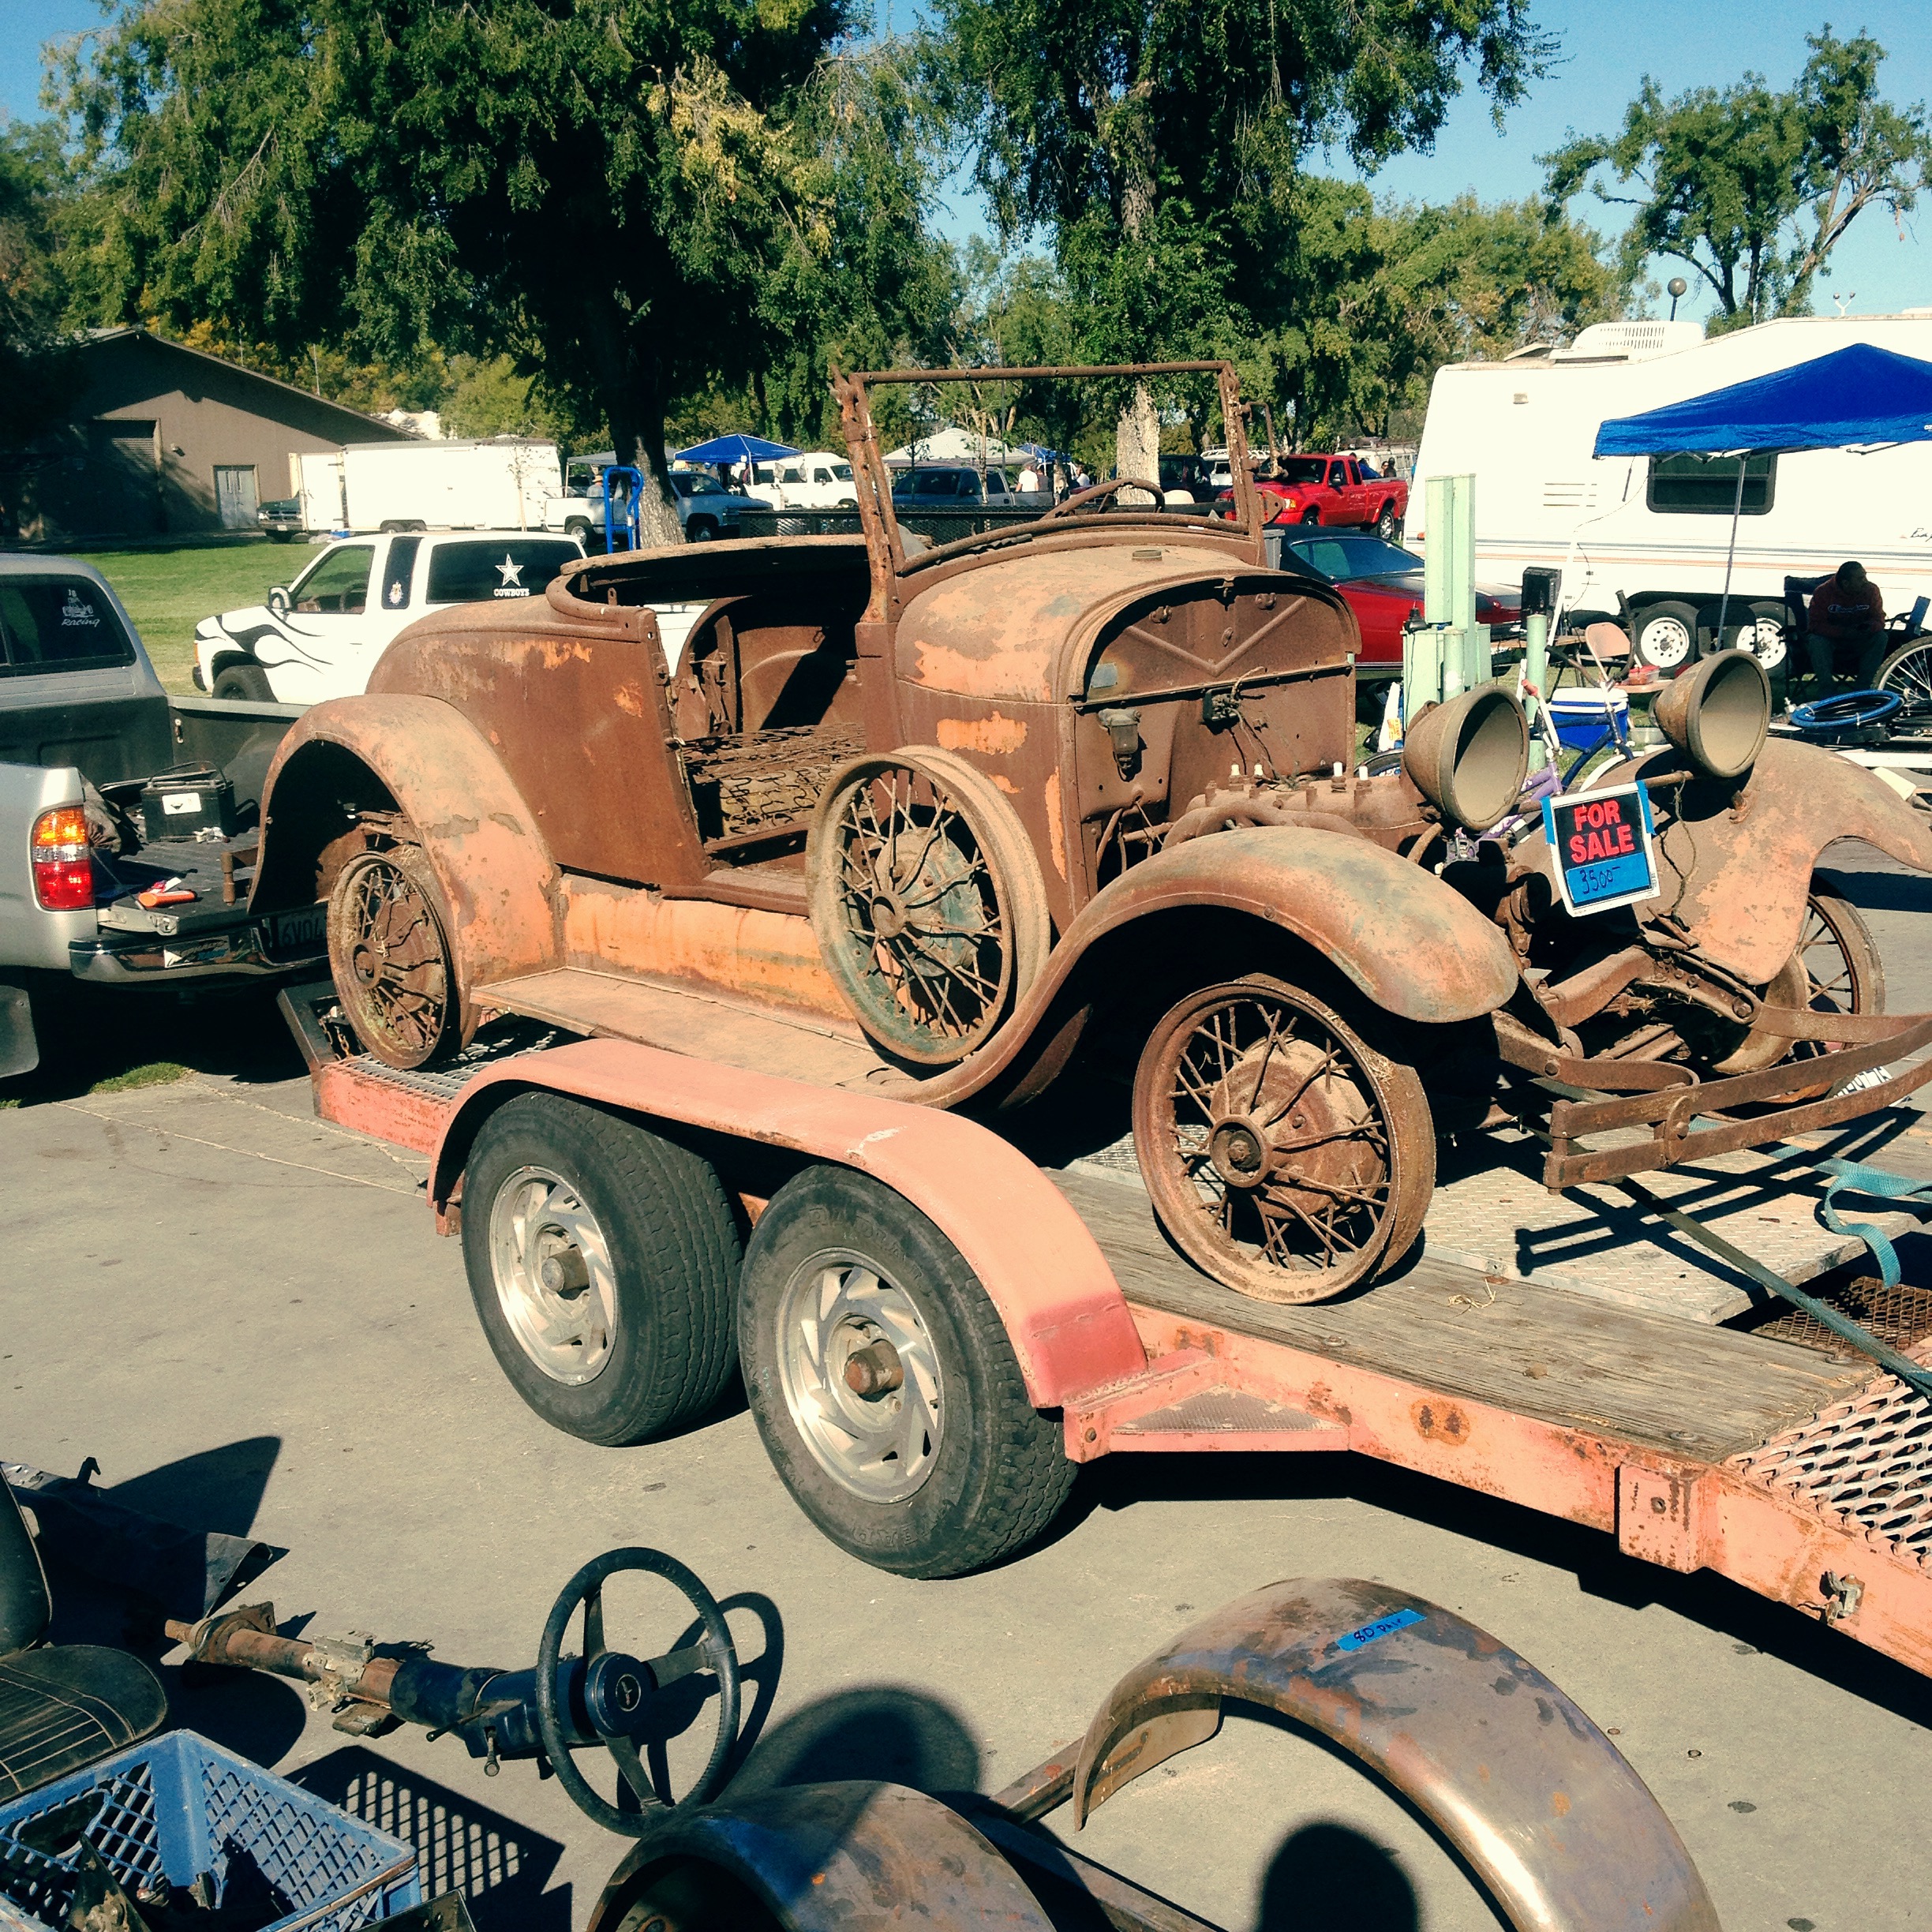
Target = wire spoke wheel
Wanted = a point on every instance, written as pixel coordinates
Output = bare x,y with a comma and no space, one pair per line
1907,674
927,903
390,957
1283,1154
1841,966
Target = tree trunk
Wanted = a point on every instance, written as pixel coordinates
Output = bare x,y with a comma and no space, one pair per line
633,398
1136,435
1136,443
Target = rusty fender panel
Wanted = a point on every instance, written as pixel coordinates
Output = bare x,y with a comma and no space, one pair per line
1748,874
1415,946
1063,1310
495,868
832,1858
1539,1801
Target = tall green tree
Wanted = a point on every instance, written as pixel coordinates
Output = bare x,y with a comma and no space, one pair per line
633,196
1750,187
36,375
1158,142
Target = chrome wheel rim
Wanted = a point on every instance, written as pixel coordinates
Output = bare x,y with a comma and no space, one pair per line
1768,644
860,1376
1666,642
552,1268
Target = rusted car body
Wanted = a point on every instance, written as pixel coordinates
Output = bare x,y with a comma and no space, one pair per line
1077,800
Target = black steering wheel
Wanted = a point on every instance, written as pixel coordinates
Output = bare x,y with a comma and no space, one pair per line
1111,487
618,1689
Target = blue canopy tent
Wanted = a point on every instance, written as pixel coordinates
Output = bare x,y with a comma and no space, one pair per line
735,448
1856,399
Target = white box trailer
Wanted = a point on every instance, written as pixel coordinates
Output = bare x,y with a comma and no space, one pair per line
1645,538
506,483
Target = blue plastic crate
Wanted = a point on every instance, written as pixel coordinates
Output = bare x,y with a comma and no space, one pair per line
180,1805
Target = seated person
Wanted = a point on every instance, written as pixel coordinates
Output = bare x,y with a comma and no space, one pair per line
1846,609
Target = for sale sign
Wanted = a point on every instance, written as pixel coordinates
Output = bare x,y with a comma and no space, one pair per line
1601,841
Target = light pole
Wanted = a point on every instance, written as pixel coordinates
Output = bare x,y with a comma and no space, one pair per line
1677,284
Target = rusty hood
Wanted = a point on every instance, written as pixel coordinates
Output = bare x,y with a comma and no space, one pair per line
1735,863
1019,626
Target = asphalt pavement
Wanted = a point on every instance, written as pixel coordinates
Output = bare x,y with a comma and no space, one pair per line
245,1316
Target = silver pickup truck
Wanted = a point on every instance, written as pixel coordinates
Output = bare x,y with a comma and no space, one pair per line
109,790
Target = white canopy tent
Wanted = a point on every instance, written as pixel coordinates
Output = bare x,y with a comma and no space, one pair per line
953,445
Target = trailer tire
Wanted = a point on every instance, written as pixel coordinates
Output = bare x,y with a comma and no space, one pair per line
1665,636
988,1472
651,1228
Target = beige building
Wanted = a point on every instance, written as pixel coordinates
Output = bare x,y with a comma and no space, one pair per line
164,439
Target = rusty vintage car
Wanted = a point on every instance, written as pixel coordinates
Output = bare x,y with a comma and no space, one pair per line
1072,801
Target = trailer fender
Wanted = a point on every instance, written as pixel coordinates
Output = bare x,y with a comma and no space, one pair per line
1414,945
1735,862
1042,1269
424,759
1540,1803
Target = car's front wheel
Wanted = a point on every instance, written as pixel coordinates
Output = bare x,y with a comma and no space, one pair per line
700,530
246,683
885,1385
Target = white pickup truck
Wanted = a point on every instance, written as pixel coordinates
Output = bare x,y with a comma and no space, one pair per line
321,636
94,757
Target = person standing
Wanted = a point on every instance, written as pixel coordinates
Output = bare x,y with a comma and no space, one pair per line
1846,609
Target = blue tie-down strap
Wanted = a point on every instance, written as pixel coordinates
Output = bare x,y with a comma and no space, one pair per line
1876,1184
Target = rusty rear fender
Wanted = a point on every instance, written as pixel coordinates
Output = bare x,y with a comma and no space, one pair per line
422,758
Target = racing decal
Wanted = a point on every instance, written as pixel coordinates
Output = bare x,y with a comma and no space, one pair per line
1382,1626
76,612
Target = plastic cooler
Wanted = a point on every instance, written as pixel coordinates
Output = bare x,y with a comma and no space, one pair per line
1581,714
180,1807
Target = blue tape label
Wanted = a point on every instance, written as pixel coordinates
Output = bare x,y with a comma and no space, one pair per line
1358,1639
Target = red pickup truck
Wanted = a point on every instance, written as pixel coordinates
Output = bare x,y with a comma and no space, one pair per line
1335,490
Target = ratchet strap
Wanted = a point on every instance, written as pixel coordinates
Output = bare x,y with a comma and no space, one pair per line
1875,1184
1914,1375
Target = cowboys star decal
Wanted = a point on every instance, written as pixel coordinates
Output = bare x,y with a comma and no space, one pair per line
511,572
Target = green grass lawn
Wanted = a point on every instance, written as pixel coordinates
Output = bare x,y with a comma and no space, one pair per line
168,589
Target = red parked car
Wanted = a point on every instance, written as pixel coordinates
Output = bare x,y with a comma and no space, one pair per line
1383,585
1335,490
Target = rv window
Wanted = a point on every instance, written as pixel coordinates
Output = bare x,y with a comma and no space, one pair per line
1707,485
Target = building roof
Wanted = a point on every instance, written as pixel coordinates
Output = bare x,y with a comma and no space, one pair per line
373,429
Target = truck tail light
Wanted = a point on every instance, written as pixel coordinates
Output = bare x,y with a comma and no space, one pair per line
63,867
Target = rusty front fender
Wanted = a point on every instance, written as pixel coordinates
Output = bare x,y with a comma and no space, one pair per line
1738,879
498,879
1542,1805
1414,945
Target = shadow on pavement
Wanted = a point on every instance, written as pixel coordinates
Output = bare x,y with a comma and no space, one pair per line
88,1035
880,1731
1590,1556
501,1867
1331,1875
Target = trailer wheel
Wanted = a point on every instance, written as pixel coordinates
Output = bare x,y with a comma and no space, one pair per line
602,1259
1666,636
885,1385
390,959
1285,1155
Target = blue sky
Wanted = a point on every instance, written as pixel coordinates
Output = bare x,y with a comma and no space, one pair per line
1606,50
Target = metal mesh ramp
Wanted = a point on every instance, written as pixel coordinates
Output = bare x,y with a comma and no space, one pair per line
1864,1464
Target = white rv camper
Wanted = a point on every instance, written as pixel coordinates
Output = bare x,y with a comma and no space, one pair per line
1646,537
505,484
